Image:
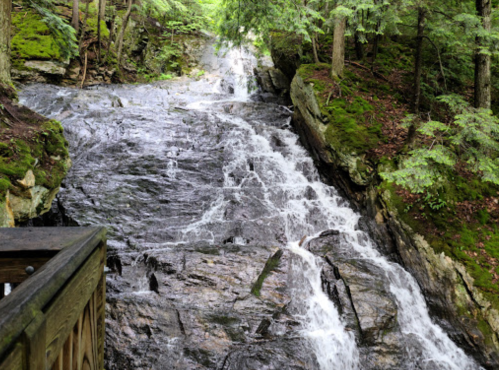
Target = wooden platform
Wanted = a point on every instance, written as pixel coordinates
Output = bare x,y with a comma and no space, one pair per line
55,317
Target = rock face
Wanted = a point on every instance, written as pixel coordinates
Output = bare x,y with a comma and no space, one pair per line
286,52
274,84
34,159
29,203
194,309
218,307
46,66
460,308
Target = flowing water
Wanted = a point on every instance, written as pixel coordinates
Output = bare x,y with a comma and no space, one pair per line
168,164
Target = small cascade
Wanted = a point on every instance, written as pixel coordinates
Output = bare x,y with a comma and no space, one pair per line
322,326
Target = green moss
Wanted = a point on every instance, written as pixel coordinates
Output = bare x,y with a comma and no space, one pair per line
223,319
457,238
32,38
4,186
306,71
48,150
351,124
92,20
271,264
17,165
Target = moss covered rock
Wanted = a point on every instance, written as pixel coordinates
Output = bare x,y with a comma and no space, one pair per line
458,290
33,161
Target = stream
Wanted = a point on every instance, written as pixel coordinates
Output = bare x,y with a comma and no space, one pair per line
206,194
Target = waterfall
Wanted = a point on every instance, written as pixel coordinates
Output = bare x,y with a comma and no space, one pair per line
161,177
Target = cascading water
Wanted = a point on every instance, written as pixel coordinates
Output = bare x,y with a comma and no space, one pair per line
220,170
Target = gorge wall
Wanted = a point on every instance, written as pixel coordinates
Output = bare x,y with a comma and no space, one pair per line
459,307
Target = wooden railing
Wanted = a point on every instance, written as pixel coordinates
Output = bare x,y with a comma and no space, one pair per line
54,318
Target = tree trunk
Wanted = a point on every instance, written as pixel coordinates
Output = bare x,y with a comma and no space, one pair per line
338,48
100,15
5,20
375,47
359,48
418,70
122,31
84,26
483,61
418,60
110,36
75,21
314,49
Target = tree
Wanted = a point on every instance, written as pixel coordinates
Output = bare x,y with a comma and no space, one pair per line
338,62
101,14
75,21
483,56
123,28
5,21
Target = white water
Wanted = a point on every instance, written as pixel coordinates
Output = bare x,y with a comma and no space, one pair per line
285,179
275,186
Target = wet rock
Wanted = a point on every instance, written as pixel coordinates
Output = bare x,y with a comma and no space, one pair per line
360,291
329,233
46,66
274,84
205,314
445,283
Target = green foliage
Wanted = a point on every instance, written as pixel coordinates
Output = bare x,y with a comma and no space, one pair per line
473,138
169,56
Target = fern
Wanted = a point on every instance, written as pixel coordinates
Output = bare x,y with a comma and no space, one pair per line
64,34
472,138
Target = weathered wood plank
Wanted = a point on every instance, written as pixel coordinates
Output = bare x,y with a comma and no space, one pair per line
16,310
101,314
68,352
77,347
13,270
35,340
71,301
59,362
41,238
15,359
89,338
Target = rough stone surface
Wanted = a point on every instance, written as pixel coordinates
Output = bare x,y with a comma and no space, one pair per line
203,312
46,66
6,214
309,121
274,84
453,300
28,181
360,292
32,202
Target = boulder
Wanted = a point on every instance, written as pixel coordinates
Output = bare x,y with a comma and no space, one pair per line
47,66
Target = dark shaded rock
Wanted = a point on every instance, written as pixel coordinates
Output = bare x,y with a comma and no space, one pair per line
281,354
275,86
329,233
153,284
286,51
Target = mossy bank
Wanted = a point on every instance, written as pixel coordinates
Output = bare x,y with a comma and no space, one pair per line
33,161
352,129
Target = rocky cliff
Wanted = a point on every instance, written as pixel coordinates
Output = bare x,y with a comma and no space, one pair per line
457,304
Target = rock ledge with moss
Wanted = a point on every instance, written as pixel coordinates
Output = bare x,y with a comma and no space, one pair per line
34,159
342,133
